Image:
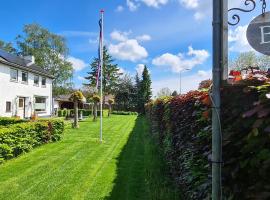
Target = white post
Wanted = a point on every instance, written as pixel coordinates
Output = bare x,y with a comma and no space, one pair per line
101,75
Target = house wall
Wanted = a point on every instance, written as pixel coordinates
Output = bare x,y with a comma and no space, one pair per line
10,91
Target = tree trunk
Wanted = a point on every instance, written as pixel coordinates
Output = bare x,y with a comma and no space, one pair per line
76,124
95,111
110,110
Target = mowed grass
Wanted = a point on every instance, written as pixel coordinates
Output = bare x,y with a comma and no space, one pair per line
126,165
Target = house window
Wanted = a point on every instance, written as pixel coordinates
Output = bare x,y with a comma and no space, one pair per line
8,106
24,77
40,104
43,82
21,102
13,74
36,80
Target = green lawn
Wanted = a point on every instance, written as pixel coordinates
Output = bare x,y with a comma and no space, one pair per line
126,166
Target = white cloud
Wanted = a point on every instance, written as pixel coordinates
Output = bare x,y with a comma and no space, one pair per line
132,5
128,50
77,63
238,40
120,36
144,37
139,69
203,8
177,63
155,3
190,82
119,8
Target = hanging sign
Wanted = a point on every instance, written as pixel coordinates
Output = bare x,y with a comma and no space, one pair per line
258,33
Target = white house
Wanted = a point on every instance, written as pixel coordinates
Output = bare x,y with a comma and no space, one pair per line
25,88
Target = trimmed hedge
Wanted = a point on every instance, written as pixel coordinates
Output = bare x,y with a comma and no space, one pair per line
70,113
183,127
5,121
124,113
23,137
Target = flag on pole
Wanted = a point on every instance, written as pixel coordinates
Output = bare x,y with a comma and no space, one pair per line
101,70
100,50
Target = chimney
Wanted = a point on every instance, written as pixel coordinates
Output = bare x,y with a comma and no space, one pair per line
30,59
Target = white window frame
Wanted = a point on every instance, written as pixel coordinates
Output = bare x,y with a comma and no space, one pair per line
13,69
25,82
34,80
8,111
40,110
42,81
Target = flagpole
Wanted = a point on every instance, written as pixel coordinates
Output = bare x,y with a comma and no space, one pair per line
101,76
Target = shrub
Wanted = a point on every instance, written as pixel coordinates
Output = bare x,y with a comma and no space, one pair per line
5,121
19,138
124,113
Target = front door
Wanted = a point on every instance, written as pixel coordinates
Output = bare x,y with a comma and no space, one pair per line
21,107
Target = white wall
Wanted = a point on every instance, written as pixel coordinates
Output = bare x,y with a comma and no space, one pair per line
9,91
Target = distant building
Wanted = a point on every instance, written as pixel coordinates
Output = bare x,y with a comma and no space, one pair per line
25,88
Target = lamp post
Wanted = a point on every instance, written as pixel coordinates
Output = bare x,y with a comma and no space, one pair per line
180,80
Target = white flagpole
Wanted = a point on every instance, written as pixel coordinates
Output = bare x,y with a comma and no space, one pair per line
101,76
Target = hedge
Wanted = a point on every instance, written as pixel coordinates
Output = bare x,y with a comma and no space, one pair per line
183,126
70,113
5,121
23,137
124,113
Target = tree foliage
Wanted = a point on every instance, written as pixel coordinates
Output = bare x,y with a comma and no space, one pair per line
145,91
50,52
7,46
110,73
164,92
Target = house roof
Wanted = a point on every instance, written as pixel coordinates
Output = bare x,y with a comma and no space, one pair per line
19,62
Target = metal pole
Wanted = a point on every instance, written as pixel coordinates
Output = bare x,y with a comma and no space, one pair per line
101,76
216,130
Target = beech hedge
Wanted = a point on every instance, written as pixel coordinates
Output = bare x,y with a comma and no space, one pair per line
182,125
23,137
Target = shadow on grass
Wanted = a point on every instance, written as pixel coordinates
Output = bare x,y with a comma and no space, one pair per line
141,169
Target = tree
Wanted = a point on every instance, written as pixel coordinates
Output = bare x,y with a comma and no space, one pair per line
138,98
76,97
50,52
111,101
110,73
145,88
125,94
175,93
96,100
206,84
245,60
164,92
7,46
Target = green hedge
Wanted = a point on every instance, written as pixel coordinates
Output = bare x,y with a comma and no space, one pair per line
5,121
124,113
70,113
23,137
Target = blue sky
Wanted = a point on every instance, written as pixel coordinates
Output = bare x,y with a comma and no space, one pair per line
166,35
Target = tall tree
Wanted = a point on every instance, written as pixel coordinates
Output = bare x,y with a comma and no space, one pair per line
244,60
164,92
145,88
110,73
137,92
50,52
125,95
7,46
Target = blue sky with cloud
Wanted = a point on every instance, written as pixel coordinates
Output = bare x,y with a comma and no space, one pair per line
166,35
